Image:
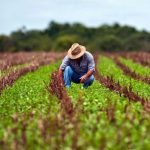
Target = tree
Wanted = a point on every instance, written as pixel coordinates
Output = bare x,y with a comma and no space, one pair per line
54,28
138,41
59,37
109,43
5,43
64,42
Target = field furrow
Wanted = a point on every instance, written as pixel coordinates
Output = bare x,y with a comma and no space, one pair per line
27,98
136,67
10,59
26,91
105,111
95,110
122,90
9,79
141,58
12,69
57,88
37,111
127,71
107,67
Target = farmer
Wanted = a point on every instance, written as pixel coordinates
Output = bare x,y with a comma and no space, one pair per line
77,66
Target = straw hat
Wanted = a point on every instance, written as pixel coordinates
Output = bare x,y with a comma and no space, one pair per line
76,51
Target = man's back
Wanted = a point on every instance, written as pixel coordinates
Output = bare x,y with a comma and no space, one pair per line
86,63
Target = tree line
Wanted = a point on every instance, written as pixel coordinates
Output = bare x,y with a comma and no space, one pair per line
59,37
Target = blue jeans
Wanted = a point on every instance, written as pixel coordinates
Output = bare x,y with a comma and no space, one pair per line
70,75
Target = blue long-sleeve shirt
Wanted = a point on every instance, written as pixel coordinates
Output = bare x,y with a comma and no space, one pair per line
87,63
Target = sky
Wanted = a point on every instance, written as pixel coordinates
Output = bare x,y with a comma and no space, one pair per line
37,14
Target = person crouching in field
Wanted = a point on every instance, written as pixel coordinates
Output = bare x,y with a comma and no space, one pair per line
77,66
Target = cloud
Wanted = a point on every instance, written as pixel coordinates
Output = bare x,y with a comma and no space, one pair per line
38,13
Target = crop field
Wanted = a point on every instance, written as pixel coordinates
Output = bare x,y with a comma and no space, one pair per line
38,113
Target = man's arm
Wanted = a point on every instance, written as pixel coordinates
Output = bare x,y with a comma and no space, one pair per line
84,77
91,68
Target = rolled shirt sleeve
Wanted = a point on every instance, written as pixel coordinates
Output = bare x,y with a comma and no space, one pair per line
91,64
65,63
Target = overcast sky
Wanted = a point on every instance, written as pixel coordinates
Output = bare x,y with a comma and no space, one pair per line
36,14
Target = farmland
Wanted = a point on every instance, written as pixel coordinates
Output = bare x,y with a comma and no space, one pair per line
37,112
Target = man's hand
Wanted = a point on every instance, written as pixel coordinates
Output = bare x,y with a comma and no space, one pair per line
83,78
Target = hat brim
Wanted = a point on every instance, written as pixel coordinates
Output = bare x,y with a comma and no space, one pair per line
83,49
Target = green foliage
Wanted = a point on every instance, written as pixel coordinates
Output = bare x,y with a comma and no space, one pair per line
55,28
60,36
29,93
137,41
125,31
99,130
22,95
138,68
31,117
109,43
107,67
31,40
11,69
64,42
5,43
